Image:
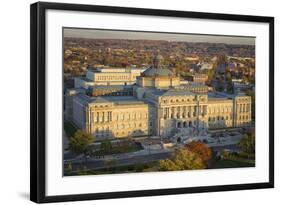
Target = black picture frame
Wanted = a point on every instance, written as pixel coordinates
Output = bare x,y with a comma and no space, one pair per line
38,101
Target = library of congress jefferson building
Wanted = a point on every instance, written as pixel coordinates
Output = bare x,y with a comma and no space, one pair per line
157,104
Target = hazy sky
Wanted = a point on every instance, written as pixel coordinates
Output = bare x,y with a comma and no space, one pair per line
111,34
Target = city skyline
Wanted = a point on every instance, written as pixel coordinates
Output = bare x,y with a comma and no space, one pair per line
139,35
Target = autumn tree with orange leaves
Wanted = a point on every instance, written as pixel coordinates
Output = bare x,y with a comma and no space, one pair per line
201,149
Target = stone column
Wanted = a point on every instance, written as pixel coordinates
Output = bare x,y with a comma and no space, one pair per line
87,119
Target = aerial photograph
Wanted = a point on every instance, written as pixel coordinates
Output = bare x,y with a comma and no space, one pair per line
142,101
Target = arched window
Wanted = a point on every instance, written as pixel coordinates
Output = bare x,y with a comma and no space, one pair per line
179,125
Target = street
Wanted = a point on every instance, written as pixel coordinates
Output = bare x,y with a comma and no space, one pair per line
97,164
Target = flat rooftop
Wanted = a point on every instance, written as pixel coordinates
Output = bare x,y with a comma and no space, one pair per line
123,100
224,95
171,92
118,100
111,87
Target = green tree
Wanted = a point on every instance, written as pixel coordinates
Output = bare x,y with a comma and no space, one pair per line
68,169
106,146
80,141
83,171
247,144
228,76
110,163
183,159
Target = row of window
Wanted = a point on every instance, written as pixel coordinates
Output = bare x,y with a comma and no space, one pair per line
186,109
104,78
244,107
242,117
109,134
107,116
183,115
186,124
131,116
219,110
112,93
179,100
123,126
103,117
219,118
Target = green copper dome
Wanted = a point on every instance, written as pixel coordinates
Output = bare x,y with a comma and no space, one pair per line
157,68
151,72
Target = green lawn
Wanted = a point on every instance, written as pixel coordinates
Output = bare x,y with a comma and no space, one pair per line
119,149
70,129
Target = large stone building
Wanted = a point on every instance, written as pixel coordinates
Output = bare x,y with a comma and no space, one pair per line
157,104
109,76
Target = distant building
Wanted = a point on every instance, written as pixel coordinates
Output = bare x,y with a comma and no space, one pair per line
193,67
197,88
110,90
191,58
198,78
205,66
240,87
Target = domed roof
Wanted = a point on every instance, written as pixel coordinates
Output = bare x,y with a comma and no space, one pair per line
151,72
158,57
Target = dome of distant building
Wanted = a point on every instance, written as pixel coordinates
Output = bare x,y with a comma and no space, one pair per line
158,57
151,72
157,69
157,61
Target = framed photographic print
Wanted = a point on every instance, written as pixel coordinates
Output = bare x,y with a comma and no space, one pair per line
129,102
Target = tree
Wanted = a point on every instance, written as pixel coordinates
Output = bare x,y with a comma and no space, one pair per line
80,141
201,149
68,169
106,146
182,160
228,76
247,144
110,163
211,74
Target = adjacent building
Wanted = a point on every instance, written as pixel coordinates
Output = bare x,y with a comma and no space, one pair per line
109,76
198,78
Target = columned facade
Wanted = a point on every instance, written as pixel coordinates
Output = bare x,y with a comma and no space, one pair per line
158,105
